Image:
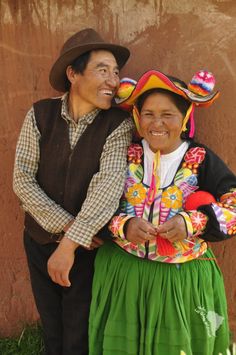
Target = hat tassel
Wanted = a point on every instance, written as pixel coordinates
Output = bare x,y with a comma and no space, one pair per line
192,123
189,115
136,119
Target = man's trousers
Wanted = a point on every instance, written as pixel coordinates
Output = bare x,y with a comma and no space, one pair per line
64,311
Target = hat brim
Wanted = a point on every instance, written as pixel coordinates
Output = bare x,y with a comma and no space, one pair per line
154,79
57,76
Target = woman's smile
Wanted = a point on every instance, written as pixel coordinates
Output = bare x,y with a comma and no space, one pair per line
159,134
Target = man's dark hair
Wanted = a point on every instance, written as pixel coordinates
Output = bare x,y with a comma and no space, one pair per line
79,65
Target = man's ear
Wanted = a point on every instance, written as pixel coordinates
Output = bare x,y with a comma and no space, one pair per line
71,74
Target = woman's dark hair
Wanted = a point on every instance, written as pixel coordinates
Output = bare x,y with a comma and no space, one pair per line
79,65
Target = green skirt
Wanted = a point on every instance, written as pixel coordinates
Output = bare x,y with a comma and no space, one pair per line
142,307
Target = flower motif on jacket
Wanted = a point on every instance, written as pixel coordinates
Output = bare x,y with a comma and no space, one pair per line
135,151
199,221
172,197
135,194
115,225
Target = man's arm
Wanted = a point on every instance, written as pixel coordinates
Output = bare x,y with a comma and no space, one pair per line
45,211
102,201
105,188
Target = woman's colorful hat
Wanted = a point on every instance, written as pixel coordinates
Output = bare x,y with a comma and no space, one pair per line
199,92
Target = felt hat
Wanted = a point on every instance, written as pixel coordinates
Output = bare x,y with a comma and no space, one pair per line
80,43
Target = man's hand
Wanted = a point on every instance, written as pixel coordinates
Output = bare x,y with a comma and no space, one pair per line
61,262
139,230
174,229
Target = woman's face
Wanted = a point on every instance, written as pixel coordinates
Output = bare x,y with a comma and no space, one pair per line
161,123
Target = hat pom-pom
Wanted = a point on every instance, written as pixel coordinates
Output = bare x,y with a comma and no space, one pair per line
202,83
124,91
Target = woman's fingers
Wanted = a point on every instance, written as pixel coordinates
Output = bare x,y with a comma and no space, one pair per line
174,229
139,230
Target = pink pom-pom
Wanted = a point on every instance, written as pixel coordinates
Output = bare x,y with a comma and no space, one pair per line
202,83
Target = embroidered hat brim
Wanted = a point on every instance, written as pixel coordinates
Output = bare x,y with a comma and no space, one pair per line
80,43
155,79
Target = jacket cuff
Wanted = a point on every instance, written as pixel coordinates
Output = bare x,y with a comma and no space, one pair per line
195,222
117,224
188,223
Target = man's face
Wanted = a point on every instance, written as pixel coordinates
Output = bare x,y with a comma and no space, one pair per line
98,84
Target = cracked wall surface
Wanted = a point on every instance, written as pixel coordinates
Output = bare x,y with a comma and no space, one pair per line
176,37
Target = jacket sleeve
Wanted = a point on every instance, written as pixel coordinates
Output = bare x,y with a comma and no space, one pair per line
119,222
220,217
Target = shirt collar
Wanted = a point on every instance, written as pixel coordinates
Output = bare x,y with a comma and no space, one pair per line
86,119
170,156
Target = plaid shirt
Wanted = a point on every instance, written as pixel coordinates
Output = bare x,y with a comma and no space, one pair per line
104,190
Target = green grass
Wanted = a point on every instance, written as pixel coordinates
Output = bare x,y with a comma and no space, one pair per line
28,343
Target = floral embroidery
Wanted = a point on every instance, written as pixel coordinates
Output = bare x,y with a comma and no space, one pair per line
136,194
114,226
172,197
199,221
135,151
167,203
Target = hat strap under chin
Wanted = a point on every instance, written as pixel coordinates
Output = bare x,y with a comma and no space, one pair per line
189,116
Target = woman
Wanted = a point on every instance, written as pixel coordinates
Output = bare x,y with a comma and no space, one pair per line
157,287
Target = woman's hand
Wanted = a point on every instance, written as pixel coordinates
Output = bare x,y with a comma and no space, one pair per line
139,230
174,229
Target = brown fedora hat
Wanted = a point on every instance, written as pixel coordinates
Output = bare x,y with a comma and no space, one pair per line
80,43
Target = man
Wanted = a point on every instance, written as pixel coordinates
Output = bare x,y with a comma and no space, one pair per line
69,174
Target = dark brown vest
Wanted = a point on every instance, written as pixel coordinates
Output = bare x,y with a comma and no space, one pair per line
64,174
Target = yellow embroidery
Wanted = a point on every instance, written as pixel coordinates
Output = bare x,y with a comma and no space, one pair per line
135,194
172,197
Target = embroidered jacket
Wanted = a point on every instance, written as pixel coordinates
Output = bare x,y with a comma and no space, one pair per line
200,169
